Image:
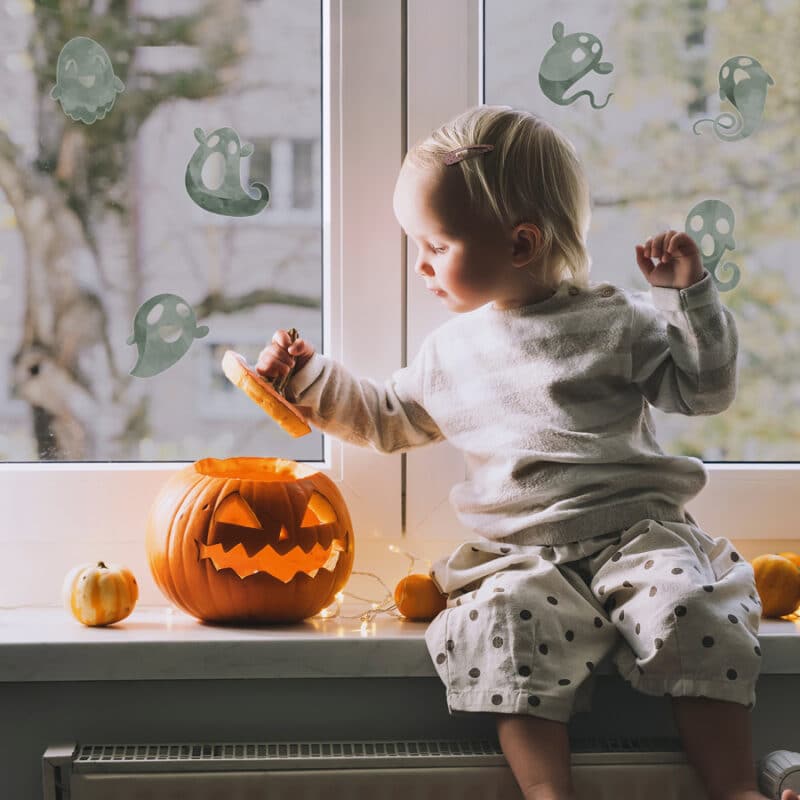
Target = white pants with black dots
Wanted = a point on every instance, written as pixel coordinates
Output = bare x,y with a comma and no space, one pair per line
525,625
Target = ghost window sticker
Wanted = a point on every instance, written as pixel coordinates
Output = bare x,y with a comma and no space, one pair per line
213,175
743,82
163,330
567,61
710,223
86,85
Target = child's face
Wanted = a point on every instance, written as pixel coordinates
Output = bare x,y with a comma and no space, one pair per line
470,261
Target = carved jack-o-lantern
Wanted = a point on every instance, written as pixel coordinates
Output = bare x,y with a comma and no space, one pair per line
250,540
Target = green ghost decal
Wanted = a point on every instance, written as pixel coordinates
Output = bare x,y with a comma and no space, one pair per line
86,85
163,330
567,61
213,178
743,82
710,224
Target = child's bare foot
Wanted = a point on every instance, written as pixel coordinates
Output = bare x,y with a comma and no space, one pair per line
789,794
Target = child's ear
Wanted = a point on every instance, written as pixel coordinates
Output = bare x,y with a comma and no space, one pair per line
526,241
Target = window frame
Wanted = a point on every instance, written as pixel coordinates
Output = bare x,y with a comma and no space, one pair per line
378,98
732,502
61,514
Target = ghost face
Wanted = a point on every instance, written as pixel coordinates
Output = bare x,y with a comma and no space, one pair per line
213,175
567,61
743,82
86,85
710,223
163,330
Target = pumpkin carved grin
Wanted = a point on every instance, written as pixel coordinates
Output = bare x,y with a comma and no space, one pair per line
248,541
284,568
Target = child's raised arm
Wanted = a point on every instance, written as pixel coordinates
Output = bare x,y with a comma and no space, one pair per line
684,344
389,418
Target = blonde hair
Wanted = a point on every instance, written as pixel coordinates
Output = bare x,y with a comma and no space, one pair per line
532,175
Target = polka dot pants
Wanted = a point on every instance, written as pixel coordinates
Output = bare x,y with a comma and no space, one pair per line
525,625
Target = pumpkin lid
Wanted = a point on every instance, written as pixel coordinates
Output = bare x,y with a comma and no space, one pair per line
253,468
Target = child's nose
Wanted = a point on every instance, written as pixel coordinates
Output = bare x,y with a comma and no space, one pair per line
422,267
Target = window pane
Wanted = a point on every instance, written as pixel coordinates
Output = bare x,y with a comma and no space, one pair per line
303,174
648,170
134,246
261,161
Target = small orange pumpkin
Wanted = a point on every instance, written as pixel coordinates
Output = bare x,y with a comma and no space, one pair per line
253,540
778,584
100,594
418,598
793,557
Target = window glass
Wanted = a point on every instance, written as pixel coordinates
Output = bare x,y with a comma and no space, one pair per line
685,115
302,174
261,161
135,246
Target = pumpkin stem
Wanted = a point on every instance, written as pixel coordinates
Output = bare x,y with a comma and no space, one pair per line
279,384
102,565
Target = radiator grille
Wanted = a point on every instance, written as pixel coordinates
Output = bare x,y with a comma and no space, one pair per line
604,769
350,754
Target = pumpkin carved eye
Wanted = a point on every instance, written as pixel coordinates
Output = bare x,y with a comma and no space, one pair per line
235,511
318,511
271,538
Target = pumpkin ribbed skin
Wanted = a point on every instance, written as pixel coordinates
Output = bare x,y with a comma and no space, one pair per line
793,557
261,505
778,584
100,594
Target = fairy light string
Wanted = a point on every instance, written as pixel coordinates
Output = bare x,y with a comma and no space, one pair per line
385,606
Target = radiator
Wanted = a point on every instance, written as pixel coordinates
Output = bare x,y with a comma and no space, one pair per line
603,769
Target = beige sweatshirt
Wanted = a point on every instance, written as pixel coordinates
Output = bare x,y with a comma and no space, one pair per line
550,405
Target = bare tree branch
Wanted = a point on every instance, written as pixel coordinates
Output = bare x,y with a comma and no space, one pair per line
216,302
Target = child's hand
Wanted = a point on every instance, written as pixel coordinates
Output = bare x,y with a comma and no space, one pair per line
678,263
283,355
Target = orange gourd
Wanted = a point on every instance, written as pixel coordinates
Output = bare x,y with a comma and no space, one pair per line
100,594
418,598
254,540
778,584
793,557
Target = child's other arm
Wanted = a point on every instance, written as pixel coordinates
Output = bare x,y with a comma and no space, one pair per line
389,418
684,348
684,345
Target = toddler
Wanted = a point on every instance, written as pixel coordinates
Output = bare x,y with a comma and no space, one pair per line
544,381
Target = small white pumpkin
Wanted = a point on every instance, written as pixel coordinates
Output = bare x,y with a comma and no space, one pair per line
100,594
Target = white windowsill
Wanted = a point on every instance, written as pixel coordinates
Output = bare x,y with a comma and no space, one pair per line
161,643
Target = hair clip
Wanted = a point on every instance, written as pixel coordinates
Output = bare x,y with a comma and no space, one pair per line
468,151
